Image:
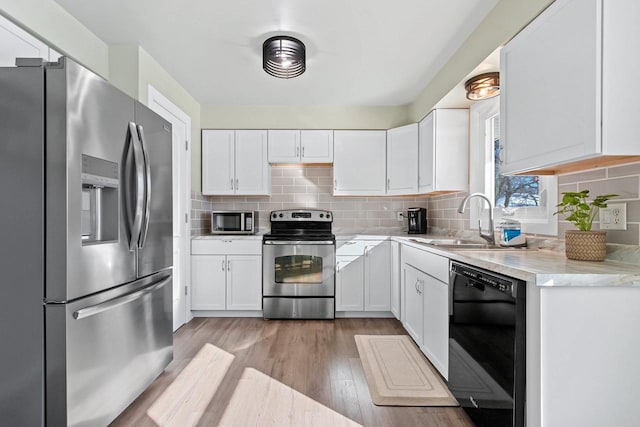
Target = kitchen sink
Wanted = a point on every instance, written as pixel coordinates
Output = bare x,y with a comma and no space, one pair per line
462,244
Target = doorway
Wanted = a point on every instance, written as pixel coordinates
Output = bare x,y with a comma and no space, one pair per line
181,183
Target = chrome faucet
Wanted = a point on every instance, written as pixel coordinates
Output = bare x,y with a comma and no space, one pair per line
490,238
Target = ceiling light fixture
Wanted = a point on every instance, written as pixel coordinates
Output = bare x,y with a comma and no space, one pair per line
483,86
284,57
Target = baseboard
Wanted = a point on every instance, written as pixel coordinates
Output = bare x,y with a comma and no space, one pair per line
364,314
226,313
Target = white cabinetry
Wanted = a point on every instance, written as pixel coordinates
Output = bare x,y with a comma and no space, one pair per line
581,110
226,274
300,146
443,151
359,164
349,283
395,279
425,305
363,275
17,43
402,160
235,162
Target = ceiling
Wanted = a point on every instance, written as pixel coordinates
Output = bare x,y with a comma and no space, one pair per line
359,52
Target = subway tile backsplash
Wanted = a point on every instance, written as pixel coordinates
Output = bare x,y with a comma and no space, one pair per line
308,187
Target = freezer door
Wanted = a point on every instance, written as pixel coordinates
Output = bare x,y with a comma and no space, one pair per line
87,125
104,350
156,240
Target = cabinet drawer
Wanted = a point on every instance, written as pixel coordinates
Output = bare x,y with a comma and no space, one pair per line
434,265
226,247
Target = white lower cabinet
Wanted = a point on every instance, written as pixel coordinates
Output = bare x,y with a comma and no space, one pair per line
425,307
413,303
435,332
395,279
349,283
363,273
226,274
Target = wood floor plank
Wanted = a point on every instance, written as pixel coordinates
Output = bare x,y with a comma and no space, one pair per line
316,359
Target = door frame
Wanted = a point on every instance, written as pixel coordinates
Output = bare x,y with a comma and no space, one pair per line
165,108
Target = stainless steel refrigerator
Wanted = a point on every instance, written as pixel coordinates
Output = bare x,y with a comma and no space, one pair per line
86,246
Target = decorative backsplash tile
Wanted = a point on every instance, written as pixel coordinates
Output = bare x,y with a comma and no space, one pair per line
308,187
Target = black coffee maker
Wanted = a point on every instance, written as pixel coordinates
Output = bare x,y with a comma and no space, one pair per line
417,220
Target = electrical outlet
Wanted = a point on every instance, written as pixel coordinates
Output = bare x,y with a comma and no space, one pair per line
399,215
613,217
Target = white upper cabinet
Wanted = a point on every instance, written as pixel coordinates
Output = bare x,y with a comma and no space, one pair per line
218,162
443,151
316,146
17,43
359,164
402,160
284,146
300,146
567,96
253,173
235,162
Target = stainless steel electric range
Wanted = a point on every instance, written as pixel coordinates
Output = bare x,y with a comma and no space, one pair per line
298,265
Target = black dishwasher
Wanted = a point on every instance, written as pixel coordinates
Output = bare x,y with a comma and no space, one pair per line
487,345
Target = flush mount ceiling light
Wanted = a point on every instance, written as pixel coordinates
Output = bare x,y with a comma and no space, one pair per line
483,86
283,57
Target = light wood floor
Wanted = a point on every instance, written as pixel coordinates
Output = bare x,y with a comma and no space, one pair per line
316,358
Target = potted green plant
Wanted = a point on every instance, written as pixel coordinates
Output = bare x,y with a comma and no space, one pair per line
583,244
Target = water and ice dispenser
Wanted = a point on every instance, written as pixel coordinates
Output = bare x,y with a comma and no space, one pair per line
99,200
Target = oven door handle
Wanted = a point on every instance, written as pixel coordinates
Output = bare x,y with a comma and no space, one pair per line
299,242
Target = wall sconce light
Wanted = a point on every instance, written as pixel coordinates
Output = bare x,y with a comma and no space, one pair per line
483,86
283,57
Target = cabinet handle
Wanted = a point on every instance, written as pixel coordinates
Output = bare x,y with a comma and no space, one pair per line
297,151
338,267
303,151
228,265
416,286
335,184
388,183
232,183
237,183
222,265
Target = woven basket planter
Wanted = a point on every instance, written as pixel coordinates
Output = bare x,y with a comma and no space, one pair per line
585,245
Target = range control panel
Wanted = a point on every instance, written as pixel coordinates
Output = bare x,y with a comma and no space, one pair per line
302,215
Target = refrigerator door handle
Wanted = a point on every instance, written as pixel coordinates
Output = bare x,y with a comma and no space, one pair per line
134,217
92,310
147,202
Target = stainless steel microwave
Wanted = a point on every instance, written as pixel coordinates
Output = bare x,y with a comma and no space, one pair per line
234,222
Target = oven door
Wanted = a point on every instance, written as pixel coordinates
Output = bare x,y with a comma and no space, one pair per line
298,268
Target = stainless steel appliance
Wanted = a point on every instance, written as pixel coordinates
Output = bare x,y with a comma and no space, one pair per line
298,266
417,218
85,179
234,222
487,345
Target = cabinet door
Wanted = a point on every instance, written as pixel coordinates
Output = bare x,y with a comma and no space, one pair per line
402,160
436,323
426,150
244,282
349,283
317,146
284,146
253,172
413,302
218,162
395,279
550,118
359,163
208,285
17,43
377,276
451,150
